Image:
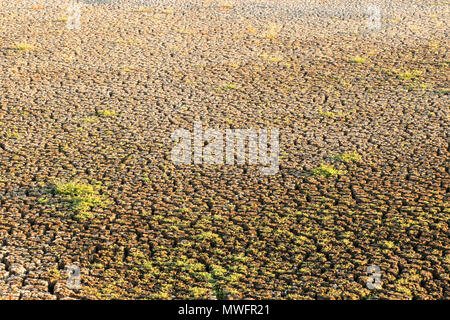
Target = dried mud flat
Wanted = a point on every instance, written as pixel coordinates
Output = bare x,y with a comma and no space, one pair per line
98,105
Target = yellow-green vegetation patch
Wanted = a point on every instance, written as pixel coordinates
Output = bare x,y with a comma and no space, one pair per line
348,157
73,188
146,179
198,292
443,90
209,236
409,74
43,200
418,86
144,9
227,86
148,266
23,47
13,135
106,113
185,210
90,119
357,60
83,197
274,58
326,171
388,244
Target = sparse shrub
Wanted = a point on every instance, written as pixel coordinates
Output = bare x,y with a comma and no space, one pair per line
82,197
13,135
348,157
219,293
43,200
388,244
218,271
326,171
408,75
106,113
144,9
198,293
208,236
23,47
229,86
274,58
90,119
357,60
74,189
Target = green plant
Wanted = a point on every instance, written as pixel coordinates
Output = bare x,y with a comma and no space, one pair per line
144,9
198,292
146,179
357,60
106,113
219,292
229,86
148,266
274,58
407,75
75,189
443,90
23,47
43,200
86,203
90,119
13,135
388,244
348,157
82,197
209,236
218,271
326,171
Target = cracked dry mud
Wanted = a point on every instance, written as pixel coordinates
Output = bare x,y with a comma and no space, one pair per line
313,69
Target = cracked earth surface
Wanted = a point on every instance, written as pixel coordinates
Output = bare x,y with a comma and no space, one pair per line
312,69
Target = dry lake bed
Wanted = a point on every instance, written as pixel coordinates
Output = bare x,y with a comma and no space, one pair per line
120,178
